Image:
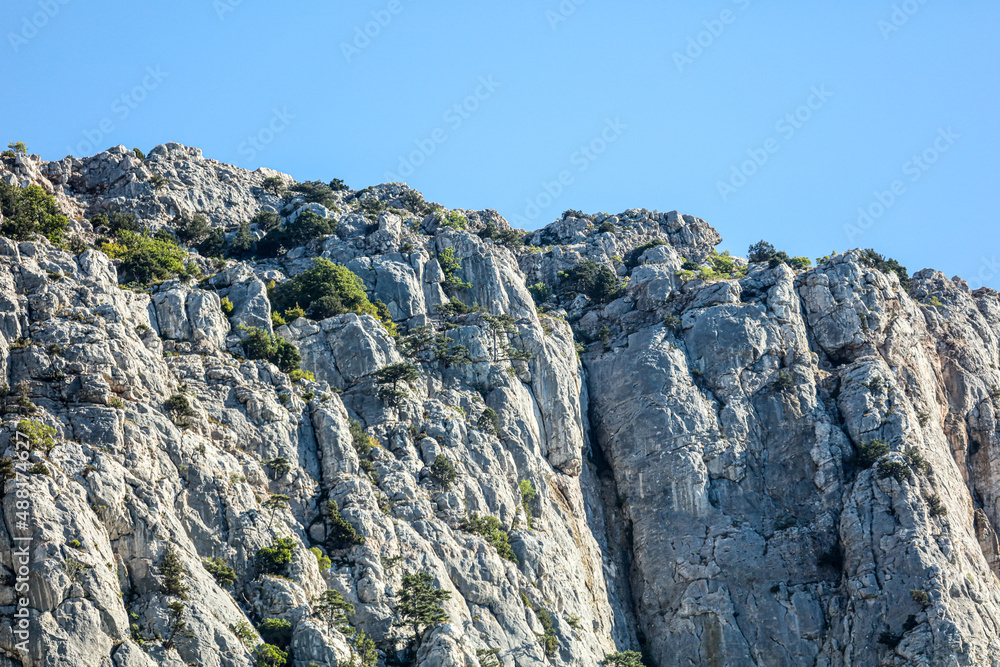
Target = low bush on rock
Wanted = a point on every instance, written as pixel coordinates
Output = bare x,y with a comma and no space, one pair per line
326,290
147,259
490,529
274,559
258,344
307,226
29,211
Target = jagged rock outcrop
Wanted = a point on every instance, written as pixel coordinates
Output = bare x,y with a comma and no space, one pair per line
755,465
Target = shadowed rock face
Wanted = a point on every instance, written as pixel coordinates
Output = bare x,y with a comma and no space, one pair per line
777,468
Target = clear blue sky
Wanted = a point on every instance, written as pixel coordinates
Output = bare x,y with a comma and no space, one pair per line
677,127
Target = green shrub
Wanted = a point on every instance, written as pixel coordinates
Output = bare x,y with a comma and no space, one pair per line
764,252
371,206
273,559
870,451
389,377
606,227
548,639
227,306
490,529
139,154
414,201
322,560
935,507
245,633
595,280
623,659
450,265
920,597
489,421
307,226
220,569
276,631
192,230
242,244
178,404
363,443
258,344
505,237
174,573
528,494
876,261
29,211
341,534
279,465
116,222
443,471
147,259
786,381
453,220
18,147
895,469
331,607
488,657
159,182
454,308
266,220
316,192
273,184
338,185
540,292
420,603
916,460
325,290
40,436
267,655
214,245
632,258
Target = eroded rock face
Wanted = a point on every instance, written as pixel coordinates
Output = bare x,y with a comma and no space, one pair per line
782,468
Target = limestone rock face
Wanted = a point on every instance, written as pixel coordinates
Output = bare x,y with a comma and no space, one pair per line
774,467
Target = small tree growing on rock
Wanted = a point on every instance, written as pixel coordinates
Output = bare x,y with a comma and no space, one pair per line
420,604
220,569
389,377
273,559
274,503
341,534
173,572
489,421
332,608
623,659
268,655
444,471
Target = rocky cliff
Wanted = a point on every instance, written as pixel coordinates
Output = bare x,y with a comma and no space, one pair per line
603,437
